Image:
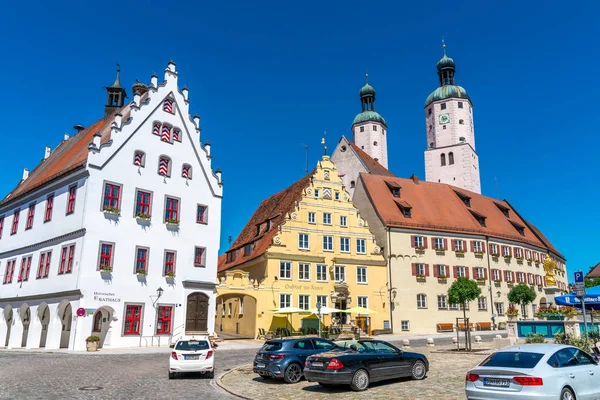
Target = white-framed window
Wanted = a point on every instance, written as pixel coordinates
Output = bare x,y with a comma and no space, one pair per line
285,270
482,303
361,274
518,252
421,300
528,255
419,241
304,271
343,220
496,274
536,256
322,299
285,300
420,269
494,249
339,274
453,306
316,193
479,273
439,243
458,245
363,301
442,271
327,218
345,245
361,246
303,241
405,325
478,246
499,308
321,273
328,243
442,302
505,251
304,301
461,272
509,276
520,277
311,217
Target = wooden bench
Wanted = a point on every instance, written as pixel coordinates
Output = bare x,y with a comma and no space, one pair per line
461,326
483,326
445,327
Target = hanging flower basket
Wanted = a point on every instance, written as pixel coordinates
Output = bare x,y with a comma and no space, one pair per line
420,278
170,275
141,272
420,249
111,211
142,218
440,251
106,269
507,258
479,254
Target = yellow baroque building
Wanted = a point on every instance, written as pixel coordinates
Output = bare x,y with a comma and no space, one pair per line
305,245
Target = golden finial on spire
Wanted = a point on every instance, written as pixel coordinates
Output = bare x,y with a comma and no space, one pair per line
323,143
444,45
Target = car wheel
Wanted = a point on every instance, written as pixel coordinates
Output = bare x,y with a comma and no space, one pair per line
172,376
210,375
360,381
567,394
419,370
293,373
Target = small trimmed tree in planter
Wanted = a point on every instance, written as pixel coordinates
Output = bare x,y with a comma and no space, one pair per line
522,295
91,343
462,291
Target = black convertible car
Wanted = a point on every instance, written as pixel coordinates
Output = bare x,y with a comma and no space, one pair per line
359,362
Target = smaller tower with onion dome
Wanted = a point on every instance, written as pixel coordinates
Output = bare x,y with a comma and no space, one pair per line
369,129
450,156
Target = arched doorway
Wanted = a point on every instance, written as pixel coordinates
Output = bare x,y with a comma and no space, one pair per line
101,325
8,315
65,313
196,318
25,319
44,315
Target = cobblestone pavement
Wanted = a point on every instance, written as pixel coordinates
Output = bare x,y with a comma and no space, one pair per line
445,380
130,376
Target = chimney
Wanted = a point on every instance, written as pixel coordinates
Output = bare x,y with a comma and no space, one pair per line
78,128
207,147
415,179
25,173
185,93
66,137
218,172
197,120
47,153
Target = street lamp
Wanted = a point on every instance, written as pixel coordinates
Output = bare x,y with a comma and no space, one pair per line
159,293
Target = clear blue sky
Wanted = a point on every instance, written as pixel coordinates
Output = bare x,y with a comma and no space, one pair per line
267,77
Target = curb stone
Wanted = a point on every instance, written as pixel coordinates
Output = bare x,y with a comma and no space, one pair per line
222,386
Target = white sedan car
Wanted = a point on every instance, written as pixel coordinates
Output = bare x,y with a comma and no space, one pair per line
535,371
192,355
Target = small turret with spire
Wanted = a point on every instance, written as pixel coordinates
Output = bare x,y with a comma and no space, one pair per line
115,95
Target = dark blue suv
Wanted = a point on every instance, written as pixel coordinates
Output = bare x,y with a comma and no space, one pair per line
284,358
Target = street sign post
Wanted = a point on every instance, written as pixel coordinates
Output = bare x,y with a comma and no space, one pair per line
319,315
580,292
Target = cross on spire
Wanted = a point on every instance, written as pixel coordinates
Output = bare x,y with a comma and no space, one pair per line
444,45
323,143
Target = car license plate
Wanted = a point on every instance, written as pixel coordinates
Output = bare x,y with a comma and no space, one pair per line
260,366
317,364
192,357
496,382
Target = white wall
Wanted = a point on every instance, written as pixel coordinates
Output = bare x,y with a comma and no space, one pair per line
366,140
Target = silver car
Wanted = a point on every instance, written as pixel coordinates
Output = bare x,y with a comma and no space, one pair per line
535,371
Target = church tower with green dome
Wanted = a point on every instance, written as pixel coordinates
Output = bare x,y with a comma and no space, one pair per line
369,129
450,156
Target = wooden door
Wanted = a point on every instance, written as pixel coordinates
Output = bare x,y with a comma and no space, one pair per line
196,319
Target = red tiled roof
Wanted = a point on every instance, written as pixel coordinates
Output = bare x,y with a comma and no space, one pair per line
594,272
543,238
372,166
436,206
273,209
70,155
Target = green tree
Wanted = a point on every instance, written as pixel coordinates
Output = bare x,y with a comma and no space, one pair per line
522,295
462,291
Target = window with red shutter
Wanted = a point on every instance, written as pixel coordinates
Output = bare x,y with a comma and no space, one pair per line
71,199
106,253
169,263
141,261
426,269
15,223
47,266
112,193
445,244
1,225
63,260
172,210
41,265
49,206
142,204
133,318
414,269
164,318
70,259
199,256
30,215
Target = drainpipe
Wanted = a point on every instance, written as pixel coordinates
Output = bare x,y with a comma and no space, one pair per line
390,279
492,305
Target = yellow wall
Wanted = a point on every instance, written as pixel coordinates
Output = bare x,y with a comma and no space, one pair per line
261,278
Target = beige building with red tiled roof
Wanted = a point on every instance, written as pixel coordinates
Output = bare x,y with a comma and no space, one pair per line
433,233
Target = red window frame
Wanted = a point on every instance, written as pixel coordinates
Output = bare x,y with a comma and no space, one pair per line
169,262
142,202
172,209
70,259
30,215
10,270
201,214
41,265
49,206
112,195
1,225
141,259
63,260
133,319
163,320
71,199
15,223
106,253
25,267
199,253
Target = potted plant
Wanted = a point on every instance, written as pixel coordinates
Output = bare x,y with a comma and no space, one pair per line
519,260
172,222
481,281
440,250
142,217
111,210
507,258
420,277
512,313
170,274
141,272
459,252
420,249
91,343
105,269
442,277
479,254
568,312
495,255
497,281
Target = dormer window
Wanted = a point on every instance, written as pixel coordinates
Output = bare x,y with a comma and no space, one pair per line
520,228
479,217
465,199
394,188
405,208
247,249
396,192
505,210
